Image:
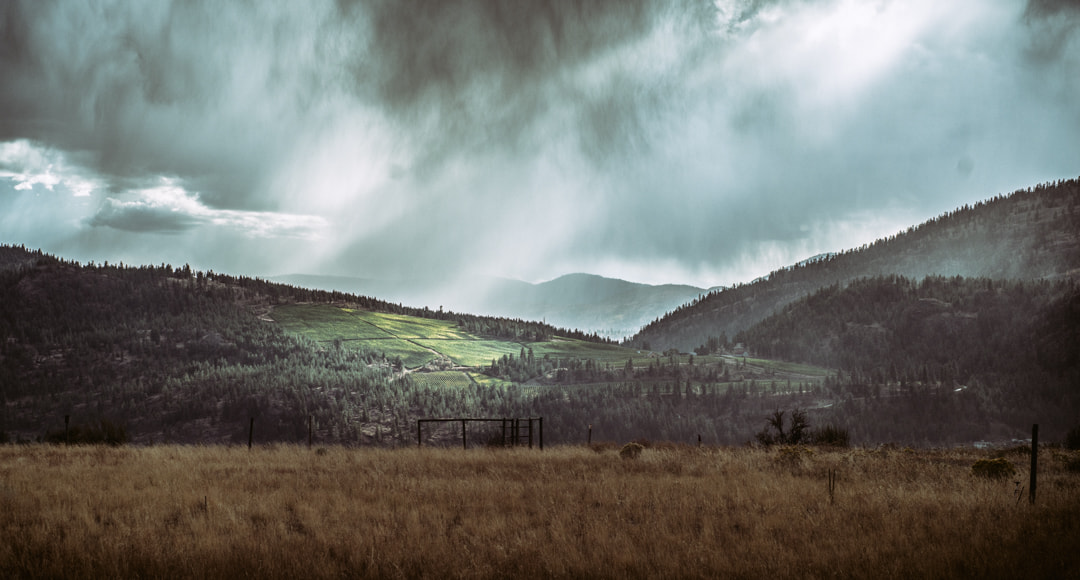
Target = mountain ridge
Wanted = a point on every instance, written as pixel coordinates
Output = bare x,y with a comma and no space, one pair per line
1030,233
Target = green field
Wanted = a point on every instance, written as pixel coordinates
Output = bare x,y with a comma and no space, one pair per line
486,381
572,348
414,339
472,353
442,380
412,355
409,326
419,340
324,323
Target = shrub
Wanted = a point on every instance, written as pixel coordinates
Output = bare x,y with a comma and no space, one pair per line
631,450
796,433
999,468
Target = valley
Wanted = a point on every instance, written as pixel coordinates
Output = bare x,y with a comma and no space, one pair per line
976,352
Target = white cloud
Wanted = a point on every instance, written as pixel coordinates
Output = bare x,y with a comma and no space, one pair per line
29,164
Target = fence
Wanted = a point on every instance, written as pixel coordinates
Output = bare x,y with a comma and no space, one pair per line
514,432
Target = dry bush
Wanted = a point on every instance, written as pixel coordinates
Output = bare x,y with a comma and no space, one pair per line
631,450
278,512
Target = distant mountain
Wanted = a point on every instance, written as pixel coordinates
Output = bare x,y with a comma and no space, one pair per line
1029,234
610,307
613,308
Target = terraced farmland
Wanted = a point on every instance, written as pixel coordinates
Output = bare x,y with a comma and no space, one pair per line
419,340
569,348
323,323
442,380
412,355
472,353
409,326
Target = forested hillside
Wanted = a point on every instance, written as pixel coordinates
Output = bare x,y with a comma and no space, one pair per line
1006,349
172,354
1029,234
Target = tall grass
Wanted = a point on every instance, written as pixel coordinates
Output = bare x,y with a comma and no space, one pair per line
569,512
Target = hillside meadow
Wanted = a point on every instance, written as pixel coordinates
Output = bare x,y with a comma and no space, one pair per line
686,512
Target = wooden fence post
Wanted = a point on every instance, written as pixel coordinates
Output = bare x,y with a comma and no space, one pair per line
251,432
418,432
1034,461
530,432
541,433
310,421
67,439
589,440
464,443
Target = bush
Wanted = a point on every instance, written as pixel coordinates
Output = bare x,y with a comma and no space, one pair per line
999,468
631,450
796,433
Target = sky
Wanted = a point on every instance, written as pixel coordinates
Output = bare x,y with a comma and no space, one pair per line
681,141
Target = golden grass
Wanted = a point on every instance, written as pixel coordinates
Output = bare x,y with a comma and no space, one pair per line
566,512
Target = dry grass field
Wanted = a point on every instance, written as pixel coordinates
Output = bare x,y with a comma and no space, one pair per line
564,512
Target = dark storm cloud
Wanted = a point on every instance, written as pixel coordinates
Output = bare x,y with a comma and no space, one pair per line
683,141
145,89
487,72
214,93
1053,24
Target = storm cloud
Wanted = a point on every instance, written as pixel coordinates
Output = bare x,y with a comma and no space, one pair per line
692,142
